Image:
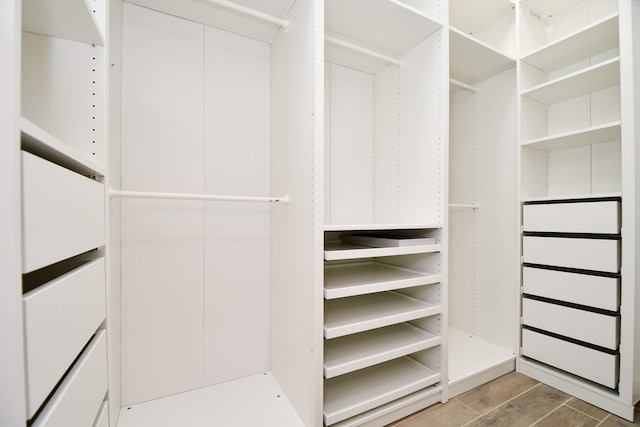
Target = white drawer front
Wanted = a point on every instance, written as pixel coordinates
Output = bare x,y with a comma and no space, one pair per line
585,362
594,328
78,400
60,318
593,291
584,217
102,420
587,254
62,213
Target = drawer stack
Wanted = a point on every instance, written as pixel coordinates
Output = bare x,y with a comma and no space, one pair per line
571,286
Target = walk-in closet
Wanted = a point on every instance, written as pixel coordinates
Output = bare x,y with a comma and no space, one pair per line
313,213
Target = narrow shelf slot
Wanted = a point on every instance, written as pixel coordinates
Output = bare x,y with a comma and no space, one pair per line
353,352
340,251
349,395
347,280
577,138
351,315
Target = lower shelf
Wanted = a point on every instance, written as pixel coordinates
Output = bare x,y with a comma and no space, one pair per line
256,400
351,394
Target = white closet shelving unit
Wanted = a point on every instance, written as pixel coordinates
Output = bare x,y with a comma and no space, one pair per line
578,138
482,220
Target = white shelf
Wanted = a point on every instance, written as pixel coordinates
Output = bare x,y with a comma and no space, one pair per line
65,19
472,60
353,352
591,79
41,143
475,16
340,251
347,316
375,227
346,280
349,395
595,38
570,197
577,138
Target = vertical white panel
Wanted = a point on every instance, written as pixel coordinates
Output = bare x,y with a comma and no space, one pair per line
327,142
351,145
162,241
535,172
569,115
236,257
606,165
570,171
605,106
534,119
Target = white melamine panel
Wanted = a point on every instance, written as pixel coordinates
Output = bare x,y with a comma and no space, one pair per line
351,145
353,352
573,358
606,176
59,319
594,291
67,19
576,138
162,242
345,280
594,328
473,17
570,171
472,60
236,253
581,217
346,316
351,394
62,213
342,251
79,398
587,254
102,420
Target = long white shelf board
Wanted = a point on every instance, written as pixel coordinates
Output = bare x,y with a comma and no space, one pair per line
376,227
597,77
351,315
39,142
353,352
577,138
475,16
346,280
334,251
256,400
65,19
471,60
349,395
595,38
569,197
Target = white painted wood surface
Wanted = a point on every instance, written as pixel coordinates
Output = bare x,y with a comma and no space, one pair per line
586,254
583,217
67,19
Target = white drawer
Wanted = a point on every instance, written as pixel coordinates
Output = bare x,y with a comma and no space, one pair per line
582,217
60,318
593,291
77,401
62,213
584,362
594,328
587,254
102,420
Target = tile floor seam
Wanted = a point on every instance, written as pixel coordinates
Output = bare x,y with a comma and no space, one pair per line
584,413
603,420
464,404
498,406
551,412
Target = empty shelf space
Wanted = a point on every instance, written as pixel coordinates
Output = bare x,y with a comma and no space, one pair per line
353,352
595,38
65,19
577,138
472,60
334,251
351,315
357,392
594,78
348,280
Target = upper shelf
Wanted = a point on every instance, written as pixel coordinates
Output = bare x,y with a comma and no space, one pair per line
577,138
472,60
341,251
598,37
475,16
66,19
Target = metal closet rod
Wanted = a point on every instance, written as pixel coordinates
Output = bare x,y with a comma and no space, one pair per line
250,12
463,85
359,49
464,206
186,196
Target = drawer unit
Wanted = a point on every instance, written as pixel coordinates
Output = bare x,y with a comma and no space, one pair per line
585,362
584,289
594,328
579,217
62,213
77,401
60,317
579,253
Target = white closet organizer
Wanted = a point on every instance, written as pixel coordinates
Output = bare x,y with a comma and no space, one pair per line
579,198
483,238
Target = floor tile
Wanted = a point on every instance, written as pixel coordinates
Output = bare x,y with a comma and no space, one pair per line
491,395
613,421
525,409
567,417
450,414
587,408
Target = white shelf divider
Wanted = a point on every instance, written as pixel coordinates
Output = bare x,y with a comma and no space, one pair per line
340,251
347,280
374,227
353,352
577,138
345,316
352,394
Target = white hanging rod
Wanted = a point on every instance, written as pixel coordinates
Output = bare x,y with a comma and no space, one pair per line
185,196
464,206
251,12
463,85
359,49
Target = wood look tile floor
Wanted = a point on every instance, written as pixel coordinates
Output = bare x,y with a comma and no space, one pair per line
514,400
